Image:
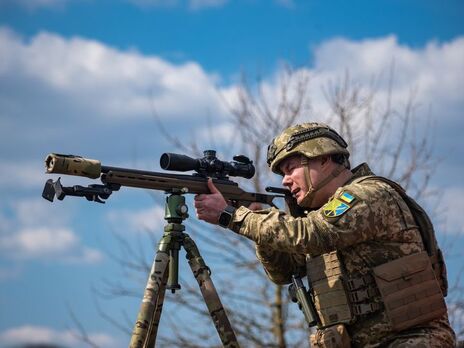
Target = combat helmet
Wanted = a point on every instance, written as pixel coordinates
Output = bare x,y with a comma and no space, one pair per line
308,139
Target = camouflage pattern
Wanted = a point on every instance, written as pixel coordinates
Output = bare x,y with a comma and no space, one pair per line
281,147
72,165
216,310
378,227
146,326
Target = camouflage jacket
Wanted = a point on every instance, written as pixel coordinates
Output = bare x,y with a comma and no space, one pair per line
376,228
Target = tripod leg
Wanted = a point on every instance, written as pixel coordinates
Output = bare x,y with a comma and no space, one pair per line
159,307
210,295
151,304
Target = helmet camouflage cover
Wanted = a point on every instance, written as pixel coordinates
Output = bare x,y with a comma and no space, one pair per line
308,139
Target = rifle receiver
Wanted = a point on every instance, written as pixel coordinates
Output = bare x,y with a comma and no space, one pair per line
72,165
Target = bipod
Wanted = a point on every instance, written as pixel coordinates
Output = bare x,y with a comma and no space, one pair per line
164,275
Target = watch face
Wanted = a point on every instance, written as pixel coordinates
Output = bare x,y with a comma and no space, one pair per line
226,216
224,219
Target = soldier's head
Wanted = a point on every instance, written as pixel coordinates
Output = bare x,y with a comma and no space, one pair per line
308,156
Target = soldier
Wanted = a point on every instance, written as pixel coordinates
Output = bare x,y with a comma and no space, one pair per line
369,251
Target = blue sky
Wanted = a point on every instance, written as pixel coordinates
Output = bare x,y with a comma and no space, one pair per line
227,35
85,77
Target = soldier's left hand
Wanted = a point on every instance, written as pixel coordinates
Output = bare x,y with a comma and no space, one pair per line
210,206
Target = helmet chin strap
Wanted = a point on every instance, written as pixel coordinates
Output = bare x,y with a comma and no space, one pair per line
312,190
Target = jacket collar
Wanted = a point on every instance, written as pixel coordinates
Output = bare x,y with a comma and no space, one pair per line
361,170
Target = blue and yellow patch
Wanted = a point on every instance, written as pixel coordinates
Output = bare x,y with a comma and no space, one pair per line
338,206
346,197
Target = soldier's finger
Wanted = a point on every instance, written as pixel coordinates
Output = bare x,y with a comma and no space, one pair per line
211,186
198,205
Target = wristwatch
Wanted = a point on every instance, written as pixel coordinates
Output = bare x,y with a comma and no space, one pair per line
226,216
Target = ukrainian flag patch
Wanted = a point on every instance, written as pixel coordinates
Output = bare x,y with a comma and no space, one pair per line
346,197
338,206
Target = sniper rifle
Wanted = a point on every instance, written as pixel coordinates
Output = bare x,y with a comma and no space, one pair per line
113,178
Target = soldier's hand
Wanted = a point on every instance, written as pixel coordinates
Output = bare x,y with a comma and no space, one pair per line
255,206
210,206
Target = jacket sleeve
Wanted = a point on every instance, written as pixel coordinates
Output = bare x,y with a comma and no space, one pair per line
318,232
280,266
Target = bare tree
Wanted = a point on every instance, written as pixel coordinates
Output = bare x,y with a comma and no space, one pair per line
384,132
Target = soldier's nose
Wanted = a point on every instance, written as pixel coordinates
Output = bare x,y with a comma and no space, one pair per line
286,181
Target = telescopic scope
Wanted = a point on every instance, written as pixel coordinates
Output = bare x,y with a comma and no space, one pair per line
209,165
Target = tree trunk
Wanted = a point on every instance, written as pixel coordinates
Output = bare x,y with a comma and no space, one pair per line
278,318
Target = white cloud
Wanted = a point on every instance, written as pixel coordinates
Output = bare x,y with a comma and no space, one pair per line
21,174
151,219
37,231
91,82
112,91
435,68
221,133
47,243
107,82
29,334
36,211
66,94
40,241
434,72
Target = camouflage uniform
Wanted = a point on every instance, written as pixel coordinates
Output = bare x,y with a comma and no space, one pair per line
377,228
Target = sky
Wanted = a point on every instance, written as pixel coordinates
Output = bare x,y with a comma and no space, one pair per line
86,77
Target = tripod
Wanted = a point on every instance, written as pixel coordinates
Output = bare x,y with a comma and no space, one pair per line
164,275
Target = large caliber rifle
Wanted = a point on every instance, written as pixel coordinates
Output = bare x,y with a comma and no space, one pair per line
113,178
164,271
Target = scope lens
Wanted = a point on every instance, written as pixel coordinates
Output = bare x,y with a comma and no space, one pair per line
164,161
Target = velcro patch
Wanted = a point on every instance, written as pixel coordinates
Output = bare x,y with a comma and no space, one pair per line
338,206
346,197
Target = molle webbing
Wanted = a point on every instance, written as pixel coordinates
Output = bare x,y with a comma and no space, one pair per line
425,228
330,298
337,297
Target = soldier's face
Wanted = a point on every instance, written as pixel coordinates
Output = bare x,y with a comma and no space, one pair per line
294,177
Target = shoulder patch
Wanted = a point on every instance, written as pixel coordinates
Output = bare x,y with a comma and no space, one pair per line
339,205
